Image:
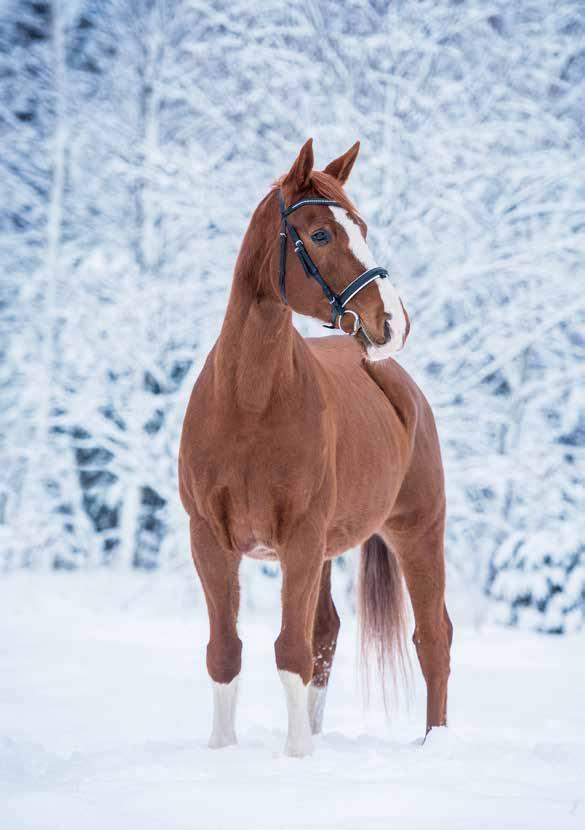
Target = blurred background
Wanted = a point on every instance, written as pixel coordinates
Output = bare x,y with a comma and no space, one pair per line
136,138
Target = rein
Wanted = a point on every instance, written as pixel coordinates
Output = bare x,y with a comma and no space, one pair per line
338,302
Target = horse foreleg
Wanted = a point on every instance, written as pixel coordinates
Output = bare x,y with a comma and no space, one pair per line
325,630
301,574
218,571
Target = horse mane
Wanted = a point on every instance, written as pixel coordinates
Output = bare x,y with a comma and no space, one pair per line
257,247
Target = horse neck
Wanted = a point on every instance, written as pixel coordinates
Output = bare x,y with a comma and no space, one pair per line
254,357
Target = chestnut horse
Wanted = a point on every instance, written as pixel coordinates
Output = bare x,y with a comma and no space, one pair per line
297,450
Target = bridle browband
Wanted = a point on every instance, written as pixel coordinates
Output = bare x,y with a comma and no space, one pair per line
339,301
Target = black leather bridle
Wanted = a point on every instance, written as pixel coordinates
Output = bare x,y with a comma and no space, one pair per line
338,302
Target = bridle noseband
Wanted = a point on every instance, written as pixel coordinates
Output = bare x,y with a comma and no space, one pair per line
339,301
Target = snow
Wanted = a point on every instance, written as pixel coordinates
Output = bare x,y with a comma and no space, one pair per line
107,709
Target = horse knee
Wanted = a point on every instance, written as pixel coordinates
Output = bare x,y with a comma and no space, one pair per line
224,658
294,654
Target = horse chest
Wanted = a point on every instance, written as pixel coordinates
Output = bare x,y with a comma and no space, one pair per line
278,467
256,483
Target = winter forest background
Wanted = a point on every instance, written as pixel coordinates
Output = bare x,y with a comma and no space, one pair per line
137,136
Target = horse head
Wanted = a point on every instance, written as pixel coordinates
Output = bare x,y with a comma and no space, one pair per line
329,237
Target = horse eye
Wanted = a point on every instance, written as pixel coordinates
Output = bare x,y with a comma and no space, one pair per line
321,237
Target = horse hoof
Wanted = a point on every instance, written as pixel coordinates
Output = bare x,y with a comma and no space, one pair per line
299,749
219,741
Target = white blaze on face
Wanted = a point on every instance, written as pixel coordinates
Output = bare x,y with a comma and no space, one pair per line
388,294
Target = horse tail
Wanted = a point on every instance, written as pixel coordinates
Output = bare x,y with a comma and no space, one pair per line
382,616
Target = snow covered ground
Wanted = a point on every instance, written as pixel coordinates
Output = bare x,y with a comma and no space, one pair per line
105,712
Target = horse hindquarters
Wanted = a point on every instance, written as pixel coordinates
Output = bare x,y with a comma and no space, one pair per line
415,532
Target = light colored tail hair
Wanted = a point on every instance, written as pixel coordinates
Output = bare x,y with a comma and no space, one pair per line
382,618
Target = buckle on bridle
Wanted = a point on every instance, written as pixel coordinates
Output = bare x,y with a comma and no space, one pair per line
357,323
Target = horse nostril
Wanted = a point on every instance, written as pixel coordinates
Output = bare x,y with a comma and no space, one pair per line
388,330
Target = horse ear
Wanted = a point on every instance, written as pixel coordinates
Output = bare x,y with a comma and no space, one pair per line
300,172
341,167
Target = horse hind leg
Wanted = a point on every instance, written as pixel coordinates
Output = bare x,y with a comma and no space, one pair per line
422,562
325,631
218,572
